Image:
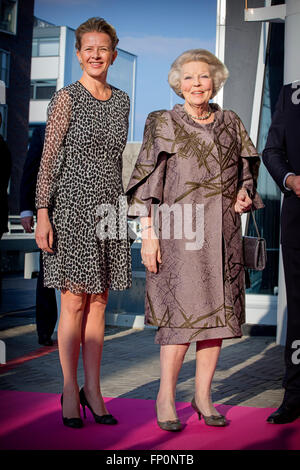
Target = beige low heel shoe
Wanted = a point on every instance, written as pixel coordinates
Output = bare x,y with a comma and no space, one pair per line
212,420
170,425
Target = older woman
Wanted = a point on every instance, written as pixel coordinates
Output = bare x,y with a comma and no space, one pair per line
196,173
80,172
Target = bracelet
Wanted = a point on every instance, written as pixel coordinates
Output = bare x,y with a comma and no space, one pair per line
145,228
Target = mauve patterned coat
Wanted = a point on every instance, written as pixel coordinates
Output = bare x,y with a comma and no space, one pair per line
199,290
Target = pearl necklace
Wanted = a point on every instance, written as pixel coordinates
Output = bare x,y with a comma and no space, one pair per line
201,118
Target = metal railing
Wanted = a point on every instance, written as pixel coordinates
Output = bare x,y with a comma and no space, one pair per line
15,227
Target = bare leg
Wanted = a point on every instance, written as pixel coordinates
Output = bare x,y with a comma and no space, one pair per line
69,336
171,359
206,362
92,345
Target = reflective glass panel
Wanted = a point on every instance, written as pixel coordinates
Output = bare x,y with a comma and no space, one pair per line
268,219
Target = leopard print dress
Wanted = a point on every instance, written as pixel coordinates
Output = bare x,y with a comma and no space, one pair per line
80,182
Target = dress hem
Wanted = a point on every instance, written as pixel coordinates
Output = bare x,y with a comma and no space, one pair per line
165,336
89,291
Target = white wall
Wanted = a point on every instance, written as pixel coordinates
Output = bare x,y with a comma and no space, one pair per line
38,110
261,309
43,68
64,68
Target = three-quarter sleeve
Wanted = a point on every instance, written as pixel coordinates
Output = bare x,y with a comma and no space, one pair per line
249,164
58,120
146,184
150,191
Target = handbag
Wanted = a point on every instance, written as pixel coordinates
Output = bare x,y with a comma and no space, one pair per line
254,249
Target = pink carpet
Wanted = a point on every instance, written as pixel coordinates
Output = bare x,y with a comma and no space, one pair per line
33,421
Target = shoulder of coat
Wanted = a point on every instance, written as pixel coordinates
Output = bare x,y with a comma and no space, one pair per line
232,117
230,114
160,117
157,113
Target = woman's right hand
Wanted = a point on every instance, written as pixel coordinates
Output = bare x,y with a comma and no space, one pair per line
44,231
151,254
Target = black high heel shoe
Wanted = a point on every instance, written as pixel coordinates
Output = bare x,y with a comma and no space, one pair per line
104,419
212,420
71,422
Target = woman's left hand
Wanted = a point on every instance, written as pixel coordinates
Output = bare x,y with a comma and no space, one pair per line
243,202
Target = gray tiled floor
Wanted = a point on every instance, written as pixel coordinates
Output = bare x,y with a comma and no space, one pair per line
249,370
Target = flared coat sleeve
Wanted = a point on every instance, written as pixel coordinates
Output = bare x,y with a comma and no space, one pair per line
249,164
146,184
58,120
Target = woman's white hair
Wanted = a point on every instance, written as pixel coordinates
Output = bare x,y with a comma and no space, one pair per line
218,70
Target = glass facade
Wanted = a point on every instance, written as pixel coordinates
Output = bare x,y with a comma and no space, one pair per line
4,66
122,75
42,89
3,126
43,47
8,16
266,282
47,42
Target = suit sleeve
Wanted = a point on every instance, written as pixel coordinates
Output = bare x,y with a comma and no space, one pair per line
4,180
274,155
30,172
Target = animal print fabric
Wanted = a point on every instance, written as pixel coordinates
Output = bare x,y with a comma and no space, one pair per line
81,168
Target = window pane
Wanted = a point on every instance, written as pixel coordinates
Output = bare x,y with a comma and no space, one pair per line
3,127
122,75
34,48
44,92
266,281
31,91
8,15
4,64
49,47
3,59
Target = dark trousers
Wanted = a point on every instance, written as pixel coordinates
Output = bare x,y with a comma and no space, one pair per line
291,381
46,308
1,233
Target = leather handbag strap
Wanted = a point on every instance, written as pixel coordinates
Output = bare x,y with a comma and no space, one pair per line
255,224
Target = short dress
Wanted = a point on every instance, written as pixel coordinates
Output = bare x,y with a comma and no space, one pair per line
80,182
189,174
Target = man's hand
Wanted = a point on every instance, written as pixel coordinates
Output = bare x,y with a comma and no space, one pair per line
27,223
293,182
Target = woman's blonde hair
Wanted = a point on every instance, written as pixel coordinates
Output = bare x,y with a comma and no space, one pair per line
218,70
98,25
